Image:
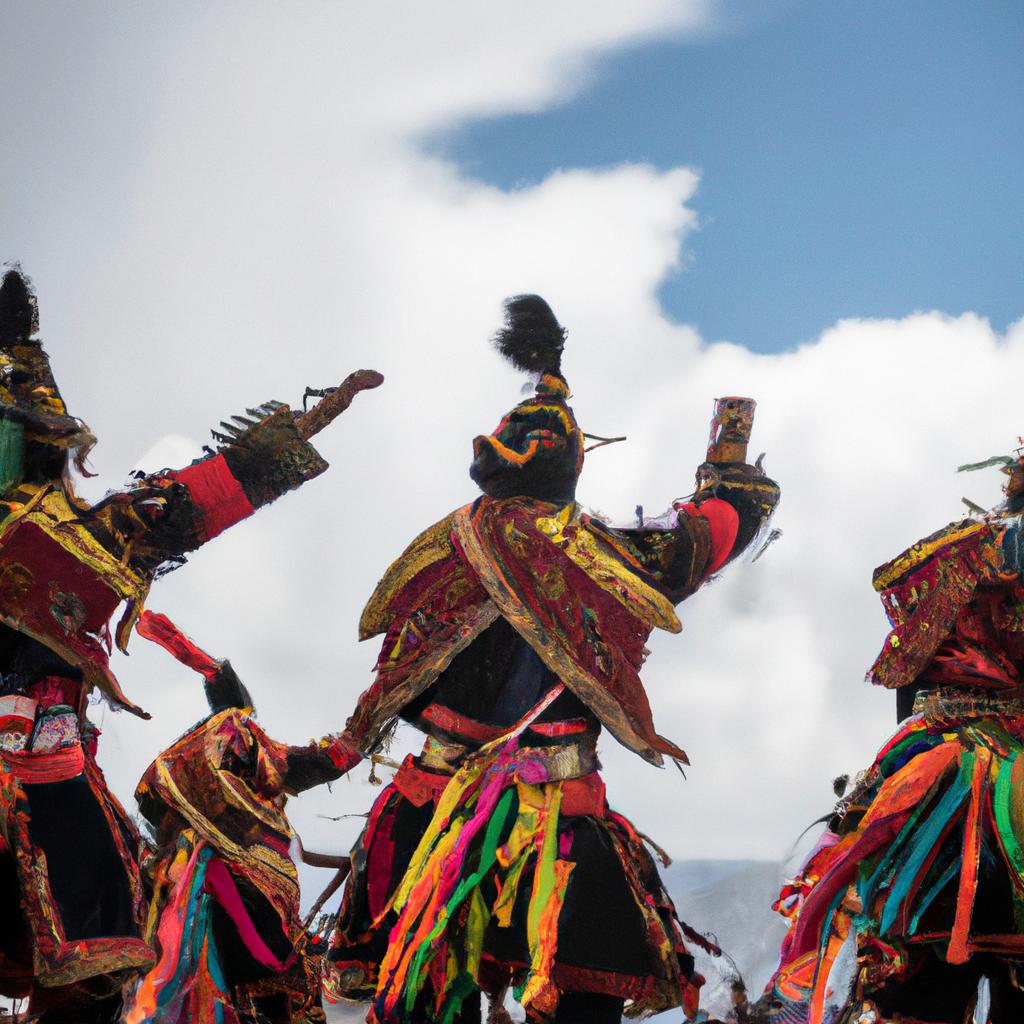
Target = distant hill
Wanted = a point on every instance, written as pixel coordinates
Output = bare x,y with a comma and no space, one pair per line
730,901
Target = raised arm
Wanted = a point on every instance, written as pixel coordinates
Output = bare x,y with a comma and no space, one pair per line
299,767
260,457
732,504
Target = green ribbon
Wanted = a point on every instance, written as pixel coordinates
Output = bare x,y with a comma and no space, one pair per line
995,460
12,454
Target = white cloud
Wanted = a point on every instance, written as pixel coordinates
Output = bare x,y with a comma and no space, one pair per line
275,225
864,429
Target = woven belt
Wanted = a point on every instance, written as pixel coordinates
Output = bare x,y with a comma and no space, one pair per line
438,756
951,705
53,766
536,765
533,765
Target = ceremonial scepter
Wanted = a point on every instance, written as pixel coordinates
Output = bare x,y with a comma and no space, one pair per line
335,401
731,425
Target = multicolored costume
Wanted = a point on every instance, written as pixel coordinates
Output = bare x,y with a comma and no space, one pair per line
71,899
224,916
514,632
923,862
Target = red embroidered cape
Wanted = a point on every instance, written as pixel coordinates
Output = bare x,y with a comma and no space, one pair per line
581,600
926,589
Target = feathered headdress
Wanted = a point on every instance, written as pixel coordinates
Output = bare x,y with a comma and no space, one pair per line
1013,467
537,448
531,339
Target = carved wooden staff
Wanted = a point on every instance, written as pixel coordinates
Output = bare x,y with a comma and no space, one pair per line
335,401
342,866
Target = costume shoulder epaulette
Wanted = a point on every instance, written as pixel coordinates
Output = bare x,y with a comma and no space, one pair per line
432,545
947,540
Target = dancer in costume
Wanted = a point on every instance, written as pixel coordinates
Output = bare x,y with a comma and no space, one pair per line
224,917
71,900
514,632
923,861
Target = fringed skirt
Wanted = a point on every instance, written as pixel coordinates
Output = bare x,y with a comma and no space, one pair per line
484,879
218,951
188,982
928,852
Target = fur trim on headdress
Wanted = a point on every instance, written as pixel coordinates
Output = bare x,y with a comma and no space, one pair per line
532,339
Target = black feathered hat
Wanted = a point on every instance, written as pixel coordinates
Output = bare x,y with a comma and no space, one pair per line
537,448
531,339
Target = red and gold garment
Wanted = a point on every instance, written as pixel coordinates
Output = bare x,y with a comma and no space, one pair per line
506,602
502,874
70,894
216,799
584,597
924,860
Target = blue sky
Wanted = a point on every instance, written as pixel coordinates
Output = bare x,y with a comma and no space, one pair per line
857,159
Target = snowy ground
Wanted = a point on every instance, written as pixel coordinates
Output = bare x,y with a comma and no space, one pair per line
730,900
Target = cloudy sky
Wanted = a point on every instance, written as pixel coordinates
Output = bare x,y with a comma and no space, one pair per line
816,204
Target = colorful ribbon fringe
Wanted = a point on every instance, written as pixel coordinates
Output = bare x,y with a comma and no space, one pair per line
187,985
940,819
489,827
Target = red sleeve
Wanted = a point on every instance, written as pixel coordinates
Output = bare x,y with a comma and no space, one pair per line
344,756
162,631
724,522
216,493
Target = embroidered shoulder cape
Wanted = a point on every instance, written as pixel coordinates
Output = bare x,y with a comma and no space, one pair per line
581,600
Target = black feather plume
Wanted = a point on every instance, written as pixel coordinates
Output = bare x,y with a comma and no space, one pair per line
532,339
19,316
